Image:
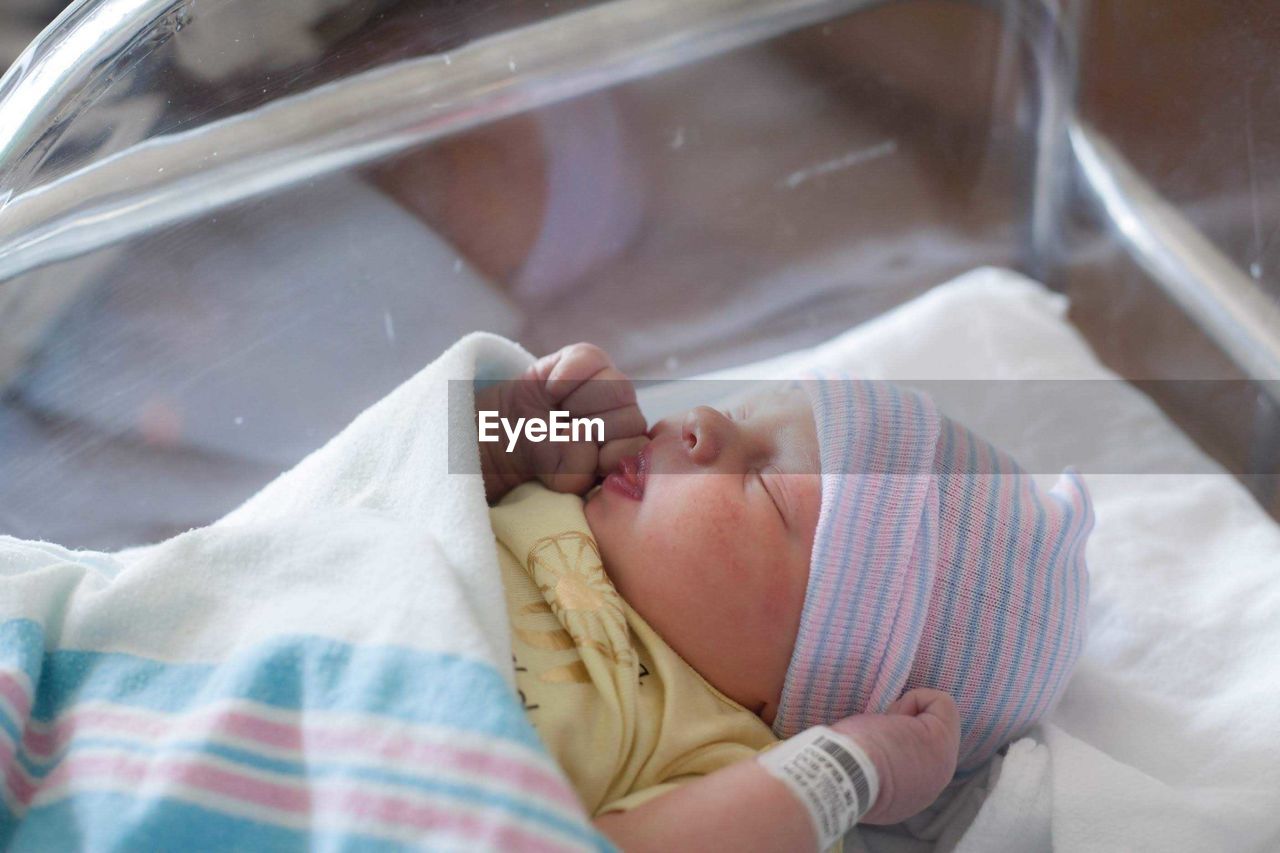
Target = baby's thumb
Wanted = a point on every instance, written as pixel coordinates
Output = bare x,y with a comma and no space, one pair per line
612,452
934,704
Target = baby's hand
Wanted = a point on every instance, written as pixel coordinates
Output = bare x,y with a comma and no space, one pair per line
914,747
581,380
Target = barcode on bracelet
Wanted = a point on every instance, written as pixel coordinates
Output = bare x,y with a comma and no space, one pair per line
850,765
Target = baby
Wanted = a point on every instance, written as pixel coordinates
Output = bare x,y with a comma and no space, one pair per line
716,593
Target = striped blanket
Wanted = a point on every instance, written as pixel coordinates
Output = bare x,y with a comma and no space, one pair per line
326,667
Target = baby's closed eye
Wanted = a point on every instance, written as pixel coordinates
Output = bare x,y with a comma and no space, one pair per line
764,476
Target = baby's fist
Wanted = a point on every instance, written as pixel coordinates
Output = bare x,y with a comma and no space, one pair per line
582,380
914,746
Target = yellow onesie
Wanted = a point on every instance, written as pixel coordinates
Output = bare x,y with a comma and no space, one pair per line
625,717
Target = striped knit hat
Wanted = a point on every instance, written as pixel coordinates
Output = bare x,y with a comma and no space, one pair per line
937,562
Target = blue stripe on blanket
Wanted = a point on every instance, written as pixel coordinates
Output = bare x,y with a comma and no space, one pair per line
178,826
292,674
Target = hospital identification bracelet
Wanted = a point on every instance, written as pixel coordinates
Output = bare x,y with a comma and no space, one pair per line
830,775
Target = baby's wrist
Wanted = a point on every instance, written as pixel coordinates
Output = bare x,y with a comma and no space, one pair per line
874,751
830,775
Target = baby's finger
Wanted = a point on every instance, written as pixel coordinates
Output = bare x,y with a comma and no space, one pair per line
569,367
925,700
613,451
620,423
608,389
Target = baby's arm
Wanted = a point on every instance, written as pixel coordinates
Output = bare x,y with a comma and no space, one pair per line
582,380
913,747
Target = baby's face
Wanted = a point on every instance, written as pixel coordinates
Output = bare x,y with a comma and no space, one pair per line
708,535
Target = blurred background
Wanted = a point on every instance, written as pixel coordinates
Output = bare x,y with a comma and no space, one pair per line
729,209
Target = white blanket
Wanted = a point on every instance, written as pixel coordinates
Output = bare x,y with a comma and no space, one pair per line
1168,737
329,665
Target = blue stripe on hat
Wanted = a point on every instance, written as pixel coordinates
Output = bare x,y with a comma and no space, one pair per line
1010,730
820,652
896,430
966,514
1028,597
973,626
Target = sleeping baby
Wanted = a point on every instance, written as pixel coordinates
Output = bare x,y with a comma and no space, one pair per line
834,564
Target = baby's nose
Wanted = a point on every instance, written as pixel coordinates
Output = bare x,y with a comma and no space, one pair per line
705,433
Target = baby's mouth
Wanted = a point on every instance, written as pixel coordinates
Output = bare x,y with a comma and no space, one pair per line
628,479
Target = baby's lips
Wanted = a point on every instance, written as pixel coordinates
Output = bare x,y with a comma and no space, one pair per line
628,477
632,468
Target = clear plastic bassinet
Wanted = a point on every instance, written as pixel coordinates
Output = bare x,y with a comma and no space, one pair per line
226,227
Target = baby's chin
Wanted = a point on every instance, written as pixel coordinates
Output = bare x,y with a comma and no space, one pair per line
595,509
602,523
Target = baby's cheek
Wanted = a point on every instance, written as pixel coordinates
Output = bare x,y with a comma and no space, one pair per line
728,541
694,555
781,583
779,607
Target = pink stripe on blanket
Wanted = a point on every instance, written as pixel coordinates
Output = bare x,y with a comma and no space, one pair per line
197,777
18,786
366,738
17,693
